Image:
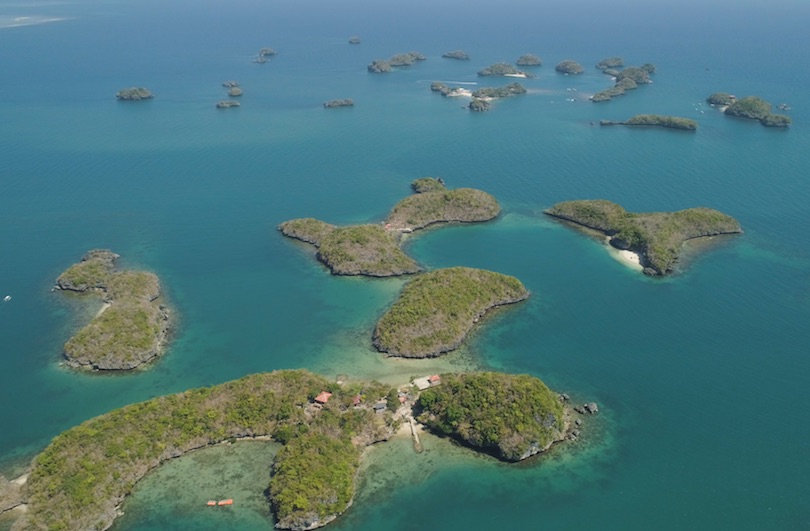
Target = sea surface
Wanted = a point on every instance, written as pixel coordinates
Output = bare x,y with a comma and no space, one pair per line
701,378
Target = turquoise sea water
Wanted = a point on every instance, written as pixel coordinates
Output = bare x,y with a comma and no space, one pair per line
701,378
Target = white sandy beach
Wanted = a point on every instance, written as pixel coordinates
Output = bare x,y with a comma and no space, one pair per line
628,258
103,308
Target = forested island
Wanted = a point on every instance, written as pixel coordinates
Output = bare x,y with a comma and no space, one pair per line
436,310
354,40
657,237
509,416
504,69
610,62
448,91
657,120
529,60
751,108
331,104
134,94
460,55
380,66
628,79
81,478
374,250
511,89
569,67
131,327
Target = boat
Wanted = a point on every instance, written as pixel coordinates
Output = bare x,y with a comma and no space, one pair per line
211,503
229,501
7,298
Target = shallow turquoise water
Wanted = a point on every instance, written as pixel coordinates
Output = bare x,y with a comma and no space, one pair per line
700,376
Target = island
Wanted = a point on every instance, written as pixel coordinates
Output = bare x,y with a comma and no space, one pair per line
511,89
529,60
656,237
610,63
331,104
504,70
10,495
235,92
460,55
657,120
569,67
381,66
134,94
227,104
756,108
437,310
471,409
447,91
230,84
81,478
264,55
131,328
375,250
479,105
721,99
354,40
628,79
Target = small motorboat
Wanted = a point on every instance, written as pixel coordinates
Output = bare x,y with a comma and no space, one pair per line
229,501
7,298
211,503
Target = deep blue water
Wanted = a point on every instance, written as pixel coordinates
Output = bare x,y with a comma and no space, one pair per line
701,377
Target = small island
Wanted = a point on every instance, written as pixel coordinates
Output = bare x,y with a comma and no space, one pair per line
721,99
610,63
375,250
230,84
479,105
569,67
264,55
657,120
235,92
535,417
511,89
628,79
381,66
449,92
529,60
657,238
437,310
756,108
504,70
130,329
331,104
134,94
354,40
227,104
460,55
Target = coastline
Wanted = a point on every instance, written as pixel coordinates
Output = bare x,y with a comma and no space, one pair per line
626,257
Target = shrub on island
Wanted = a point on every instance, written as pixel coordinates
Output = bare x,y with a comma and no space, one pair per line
368,250
479,105
331,104
380,66
657,120
131,328
610,62
509,416
428,184
756,108
723,99
503,69
81,478
436,310
627,79
464,205
457,54
657,237
511,89
134,94
529,60
569,67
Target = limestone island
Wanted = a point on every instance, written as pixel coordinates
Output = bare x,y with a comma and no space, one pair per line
230,84
721,99
235,92
130,329
657,120
264,55
354,40
504,70
84,475
11,496
134,94
656,237
529,60
755,108
483,96
569,67
520,416
227,104
437,310
610,62
375,250
331,104
460,55
449,92
380,66
479,105
628,79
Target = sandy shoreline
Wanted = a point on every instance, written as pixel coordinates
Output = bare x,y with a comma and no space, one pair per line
103,308
628,258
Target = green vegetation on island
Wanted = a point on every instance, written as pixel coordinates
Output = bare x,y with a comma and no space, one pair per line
479,105
510,416
131,328
569,67
448,91
374,250
331,104
756,108
235,92
379,66
134,94
657,120
436,310
610,62
628,79
82,477
529,60
657,237
722,99
10,495
511,89
460,55
504,69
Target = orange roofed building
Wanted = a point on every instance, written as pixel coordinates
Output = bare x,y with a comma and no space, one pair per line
323,398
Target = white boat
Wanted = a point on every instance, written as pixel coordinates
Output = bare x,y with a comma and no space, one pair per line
7,298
